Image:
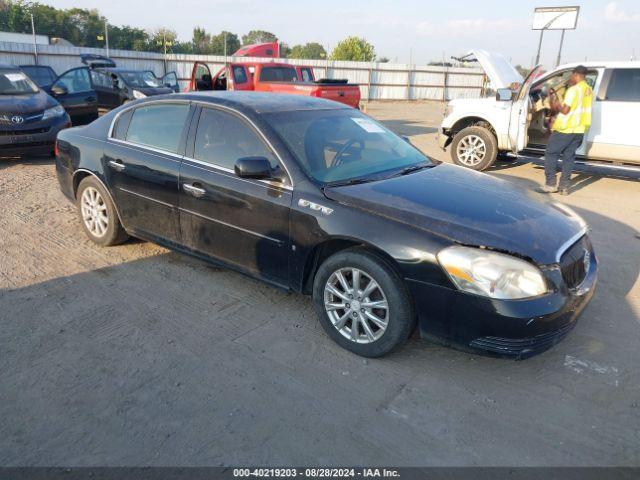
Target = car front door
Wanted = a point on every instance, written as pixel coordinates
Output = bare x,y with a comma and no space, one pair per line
108,95
170,80
201,77
74,90
241,222
519,115
613,131
142,163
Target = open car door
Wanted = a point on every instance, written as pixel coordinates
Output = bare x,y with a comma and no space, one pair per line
75,92
519,120
200,78
171,80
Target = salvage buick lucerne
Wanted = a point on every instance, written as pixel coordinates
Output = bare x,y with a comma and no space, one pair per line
318,198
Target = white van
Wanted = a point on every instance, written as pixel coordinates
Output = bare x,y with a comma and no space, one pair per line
477,130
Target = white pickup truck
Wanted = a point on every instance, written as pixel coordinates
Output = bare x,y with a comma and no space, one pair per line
515,119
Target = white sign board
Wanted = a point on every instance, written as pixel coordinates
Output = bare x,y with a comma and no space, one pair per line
555,18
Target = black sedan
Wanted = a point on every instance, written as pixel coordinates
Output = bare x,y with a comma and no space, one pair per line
29,118
318,198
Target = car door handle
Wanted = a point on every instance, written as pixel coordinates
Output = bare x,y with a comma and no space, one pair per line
194,189
117,165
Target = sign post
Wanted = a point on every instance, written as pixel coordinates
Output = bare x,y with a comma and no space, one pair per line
554,18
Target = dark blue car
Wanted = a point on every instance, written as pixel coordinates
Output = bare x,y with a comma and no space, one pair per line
30,119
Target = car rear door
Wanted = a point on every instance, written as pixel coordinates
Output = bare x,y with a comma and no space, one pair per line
142,162
170,80
615,110
108,96
74,90
241,222
241,79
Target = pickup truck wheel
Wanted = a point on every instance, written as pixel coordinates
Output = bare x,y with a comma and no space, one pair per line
475,148
362,303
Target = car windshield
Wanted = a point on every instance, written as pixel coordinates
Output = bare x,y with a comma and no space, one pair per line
341,146
15,82
140,79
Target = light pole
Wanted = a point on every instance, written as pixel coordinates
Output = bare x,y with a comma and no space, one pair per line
106,36
35,43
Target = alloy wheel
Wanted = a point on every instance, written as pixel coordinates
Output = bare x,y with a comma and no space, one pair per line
471,150
356,305
94,212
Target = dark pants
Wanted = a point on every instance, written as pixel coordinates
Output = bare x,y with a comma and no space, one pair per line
564,144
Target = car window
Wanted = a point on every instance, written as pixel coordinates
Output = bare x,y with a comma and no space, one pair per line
306,75
239,74
343,144
158,125
101,80
121,125
75,81
15,82
170,79
278,74
42,76
222,138
624,85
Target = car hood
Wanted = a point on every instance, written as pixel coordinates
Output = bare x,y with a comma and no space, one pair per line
477,104
469,208
150,91
24,104
499,70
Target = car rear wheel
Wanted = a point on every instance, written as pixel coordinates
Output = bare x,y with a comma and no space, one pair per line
362,303
475,148
98,214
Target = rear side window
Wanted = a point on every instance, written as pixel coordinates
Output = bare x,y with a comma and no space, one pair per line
159,125
223,138
122,123
239,75
624,85
42,76
278,74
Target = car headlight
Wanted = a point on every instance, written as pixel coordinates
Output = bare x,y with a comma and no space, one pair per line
491,274
137,94
53,112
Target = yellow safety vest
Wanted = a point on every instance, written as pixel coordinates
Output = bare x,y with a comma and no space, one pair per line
578,98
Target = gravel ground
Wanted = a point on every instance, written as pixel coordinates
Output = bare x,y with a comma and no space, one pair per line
134,355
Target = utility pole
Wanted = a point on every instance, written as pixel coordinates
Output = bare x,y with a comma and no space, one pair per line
560,50
35,44
106,36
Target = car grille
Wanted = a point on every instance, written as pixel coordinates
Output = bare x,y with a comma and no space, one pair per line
522,347
33,131
575,261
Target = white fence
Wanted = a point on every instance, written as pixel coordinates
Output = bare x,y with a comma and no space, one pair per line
378,81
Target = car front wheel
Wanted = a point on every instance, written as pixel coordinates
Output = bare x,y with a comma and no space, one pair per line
98,213
475,148
362,303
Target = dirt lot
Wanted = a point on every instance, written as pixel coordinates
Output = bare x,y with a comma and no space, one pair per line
134,355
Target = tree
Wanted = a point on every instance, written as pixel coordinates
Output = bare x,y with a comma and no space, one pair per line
310,51
354,49
382,59
258,36
201,40
163,37
217,43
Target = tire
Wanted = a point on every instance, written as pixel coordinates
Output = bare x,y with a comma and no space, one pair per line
97,214
398,318
481,148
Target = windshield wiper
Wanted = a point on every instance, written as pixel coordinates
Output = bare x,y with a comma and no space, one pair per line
413,168
353,181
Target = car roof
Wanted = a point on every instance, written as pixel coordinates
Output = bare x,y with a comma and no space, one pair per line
605,64
259,102
8,65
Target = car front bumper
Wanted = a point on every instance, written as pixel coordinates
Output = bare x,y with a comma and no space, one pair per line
32,139
443,140
511,328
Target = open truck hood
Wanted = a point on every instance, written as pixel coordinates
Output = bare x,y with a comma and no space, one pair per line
499,70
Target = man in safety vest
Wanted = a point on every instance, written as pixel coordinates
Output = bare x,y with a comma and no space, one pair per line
567,131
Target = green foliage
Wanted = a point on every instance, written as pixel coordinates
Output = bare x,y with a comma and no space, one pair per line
258,36
354,49
217,43
310,51
382,59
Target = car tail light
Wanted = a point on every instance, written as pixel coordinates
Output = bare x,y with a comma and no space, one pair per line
55,149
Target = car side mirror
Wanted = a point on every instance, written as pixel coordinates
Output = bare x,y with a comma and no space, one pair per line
258,168
406,139
504,95
59,90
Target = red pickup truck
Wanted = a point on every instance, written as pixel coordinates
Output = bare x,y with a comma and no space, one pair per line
273,77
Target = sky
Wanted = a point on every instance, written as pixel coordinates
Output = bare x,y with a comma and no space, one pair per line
402,30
